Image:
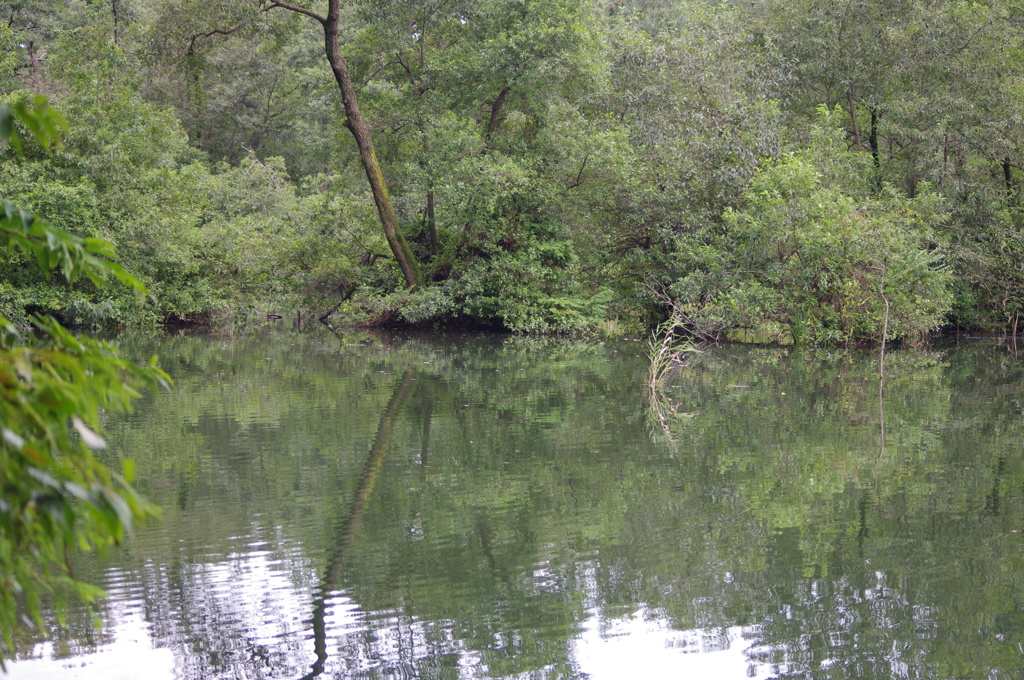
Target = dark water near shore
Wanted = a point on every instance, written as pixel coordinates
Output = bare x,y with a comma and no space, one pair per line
502,507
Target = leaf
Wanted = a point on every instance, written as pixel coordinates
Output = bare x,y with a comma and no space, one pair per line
120,520
125,278
77,491
13,439
91,439
128,469
43,478
6,123
34,455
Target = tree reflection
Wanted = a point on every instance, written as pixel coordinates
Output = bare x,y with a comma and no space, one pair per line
519,503
348,527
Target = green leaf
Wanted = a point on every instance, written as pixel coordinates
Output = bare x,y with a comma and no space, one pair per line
91,439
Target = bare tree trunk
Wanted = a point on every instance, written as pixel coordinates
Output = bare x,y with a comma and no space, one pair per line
117,20
873,142
945,160
429,216
431,219
1008,179
492,124
853,119
37,85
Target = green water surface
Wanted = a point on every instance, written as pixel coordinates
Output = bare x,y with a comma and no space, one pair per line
504,507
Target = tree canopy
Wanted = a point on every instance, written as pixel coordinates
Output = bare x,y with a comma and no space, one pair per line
530,166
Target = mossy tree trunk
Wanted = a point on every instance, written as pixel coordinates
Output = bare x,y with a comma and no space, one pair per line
361,132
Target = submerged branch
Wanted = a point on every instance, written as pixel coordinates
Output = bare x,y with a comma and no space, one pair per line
669,349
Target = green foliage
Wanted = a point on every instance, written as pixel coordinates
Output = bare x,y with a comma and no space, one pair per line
43,123
809,259
519,292
204,240
932,91
55,495
264,90
209,146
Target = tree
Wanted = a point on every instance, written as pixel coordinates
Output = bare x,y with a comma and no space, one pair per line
361,132
813,254
354,122
477,109
932,90
54,494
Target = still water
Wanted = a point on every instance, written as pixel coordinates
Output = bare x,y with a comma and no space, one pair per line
503,507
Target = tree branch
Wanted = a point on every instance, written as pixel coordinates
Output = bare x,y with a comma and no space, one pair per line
958,50
579,176
407,68
295,8
217,31
228,31
492,124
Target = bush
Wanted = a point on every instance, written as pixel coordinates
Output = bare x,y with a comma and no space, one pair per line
812,255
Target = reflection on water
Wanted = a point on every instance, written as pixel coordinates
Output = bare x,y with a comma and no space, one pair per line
481,507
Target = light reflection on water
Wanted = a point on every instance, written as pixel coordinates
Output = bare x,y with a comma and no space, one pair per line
508,508
270,614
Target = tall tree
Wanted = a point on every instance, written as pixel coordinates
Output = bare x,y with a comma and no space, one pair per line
361,132
355,122
414,39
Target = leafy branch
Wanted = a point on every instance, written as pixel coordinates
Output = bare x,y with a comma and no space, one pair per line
54,388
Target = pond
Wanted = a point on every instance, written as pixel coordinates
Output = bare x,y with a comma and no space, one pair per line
372,506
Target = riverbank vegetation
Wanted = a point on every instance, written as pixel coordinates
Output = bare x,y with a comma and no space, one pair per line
784,171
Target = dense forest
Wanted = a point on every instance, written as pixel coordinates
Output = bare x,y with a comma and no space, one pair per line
778,170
